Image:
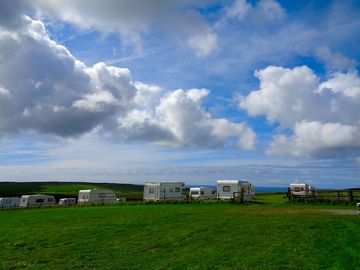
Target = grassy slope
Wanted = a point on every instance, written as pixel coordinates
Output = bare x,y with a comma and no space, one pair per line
65,188
272,235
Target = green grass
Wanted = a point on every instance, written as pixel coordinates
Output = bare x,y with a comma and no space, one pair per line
66,188
273,234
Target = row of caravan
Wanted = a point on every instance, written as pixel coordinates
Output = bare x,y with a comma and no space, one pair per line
226,189
27,200
85,196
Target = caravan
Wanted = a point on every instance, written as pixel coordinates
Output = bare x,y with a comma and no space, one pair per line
163,190
67,201
235,189
96,196
9,202
301,190
37,200
202,193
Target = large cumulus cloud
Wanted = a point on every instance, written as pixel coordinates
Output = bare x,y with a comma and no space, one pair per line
44,88
324,117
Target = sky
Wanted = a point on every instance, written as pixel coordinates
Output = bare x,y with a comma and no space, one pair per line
195,91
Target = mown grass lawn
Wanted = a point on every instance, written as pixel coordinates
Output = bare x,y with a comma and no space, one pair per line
188,236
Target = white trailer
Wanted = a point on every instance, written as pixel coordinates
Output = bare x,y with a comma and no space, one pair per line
96,196
163,190
37,200
301,189
67,201
9,202
358,208
235,189
202,193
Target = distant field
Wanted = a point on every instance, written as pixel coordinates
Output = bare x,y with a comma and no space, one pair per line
273,234
66,188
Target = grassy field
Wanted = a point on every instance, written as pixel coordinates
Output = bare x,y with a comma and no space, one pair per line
273,234
66,188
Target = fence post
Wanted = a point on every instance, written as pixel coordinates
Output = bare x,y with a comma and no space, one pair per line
351,196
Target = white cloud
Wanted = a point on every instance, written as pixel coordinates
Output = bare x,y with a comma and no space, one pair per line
4,91
334,61
317,139
180,120
285,95
348,84
95,102
203,44
324,117
46,89
133,19
265,11
238,10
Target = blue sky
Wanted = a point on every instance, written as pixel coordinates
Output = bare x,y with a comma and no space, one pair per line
130,91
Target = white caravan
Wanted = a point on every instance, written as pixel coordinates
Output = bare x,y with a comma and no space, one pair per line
37,200
163,190
67,201
9,202
202,193
301,189
96,196
233,189
358,208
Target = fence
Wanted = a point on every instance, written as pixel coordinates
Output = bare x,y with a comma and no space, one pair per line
322,195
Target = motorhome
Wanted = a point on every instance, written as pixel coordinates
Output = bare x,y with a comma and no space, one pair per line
301,189
37,200
235,189
163,190
202,193
9,202
96,196
67,201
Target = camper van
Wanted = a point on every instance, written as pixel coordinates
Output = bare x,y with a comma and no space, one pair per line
163,190
202,193
96,196
67,201
301,189
9,202
235,189
37,200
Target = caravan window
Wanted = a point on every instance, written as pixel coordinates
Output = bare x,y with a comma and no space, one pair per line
39,201
202,192
151,190
177,189
50,199
111,196
194,192
171,189
226,188
102,195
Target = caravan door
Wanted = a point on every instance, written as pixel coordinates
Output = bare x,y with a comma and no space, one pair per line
157,192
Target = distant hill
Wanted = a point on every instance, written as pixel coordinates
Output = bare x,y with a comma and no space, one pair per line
66,188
